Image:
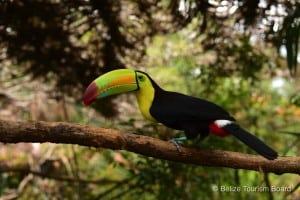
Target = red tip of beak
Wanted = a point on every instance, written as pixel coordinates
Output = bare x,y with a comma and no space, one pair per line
90,94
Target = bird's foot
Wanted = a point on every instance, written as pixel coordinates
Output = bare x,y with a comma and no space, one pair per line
176,140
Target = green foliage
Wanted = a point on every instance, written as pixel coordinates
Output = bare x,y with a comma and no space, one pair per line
290,34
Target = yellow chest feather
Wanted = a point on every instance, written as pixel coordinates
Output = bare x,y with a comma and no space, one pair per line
145,98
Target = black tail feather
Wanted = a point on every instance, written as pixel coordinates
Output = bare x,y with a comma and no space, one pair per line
251,141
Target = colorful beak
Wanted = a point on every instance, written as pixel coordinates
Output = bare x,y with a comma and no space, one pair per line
111,83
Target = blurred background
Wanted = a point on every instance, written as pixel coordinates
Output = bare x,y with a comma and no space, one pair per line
240,54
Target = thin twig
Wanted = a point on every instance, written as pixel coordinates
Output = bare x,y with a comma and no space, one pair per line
24,168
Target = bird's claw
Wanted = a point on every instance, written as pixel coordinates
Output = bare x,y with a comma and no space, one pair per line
175,141
176,144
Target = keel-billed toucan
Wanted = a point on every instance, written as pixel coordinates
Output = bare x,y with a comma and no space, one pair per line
178,111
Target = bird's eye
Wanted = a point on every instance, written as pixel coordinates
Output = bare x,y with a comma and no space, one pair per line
141,78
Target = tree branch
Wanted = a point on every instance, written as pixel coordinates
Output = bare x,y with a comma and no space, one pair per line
68,133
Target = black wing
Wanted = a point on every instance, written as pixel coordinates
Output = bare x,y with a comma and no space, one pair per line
176,110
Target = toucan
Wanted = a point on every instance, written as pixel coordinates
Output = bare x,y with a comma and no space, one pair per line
196,117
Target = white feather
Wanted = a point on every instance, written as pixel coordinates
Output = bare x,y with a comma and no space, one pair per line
222,122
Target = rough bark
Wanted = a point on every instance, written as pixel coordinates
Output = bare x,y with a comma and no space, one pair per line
68,133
